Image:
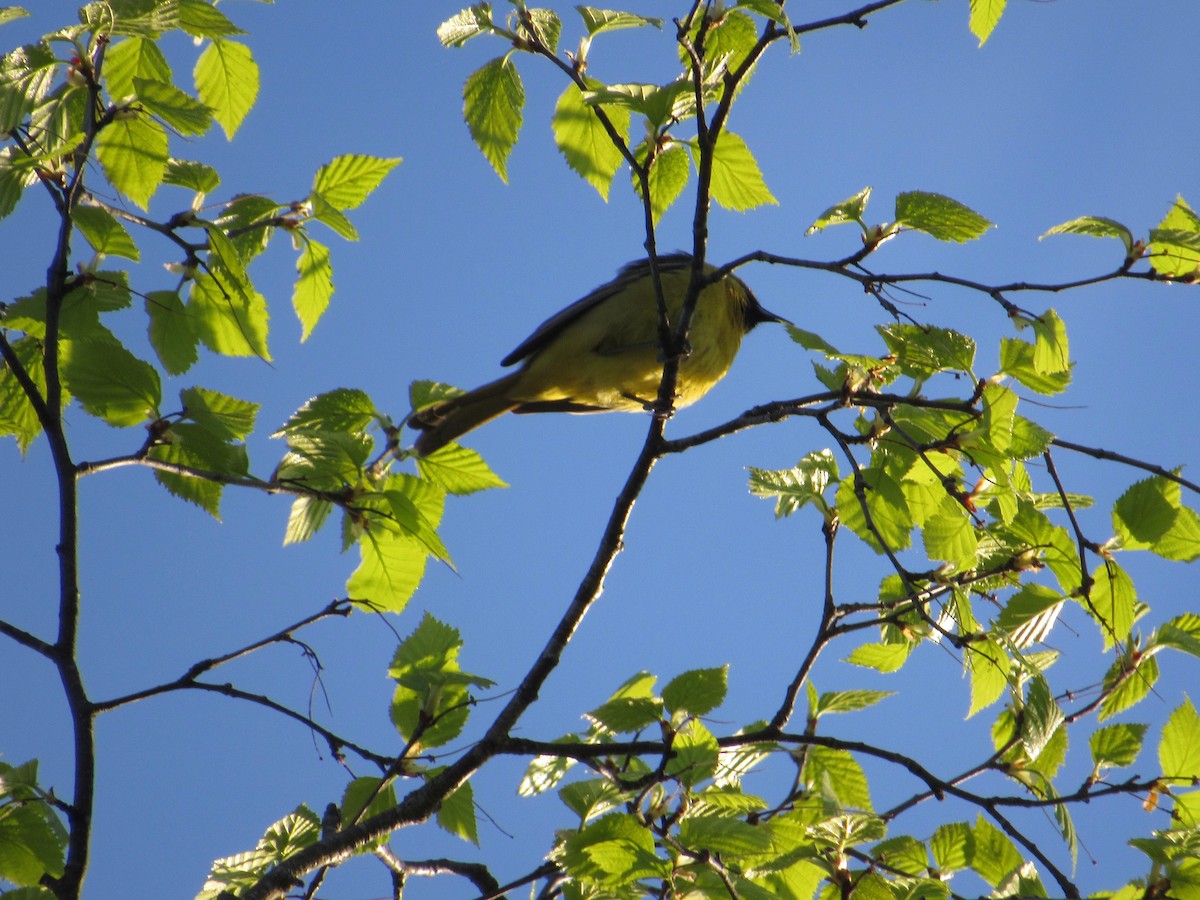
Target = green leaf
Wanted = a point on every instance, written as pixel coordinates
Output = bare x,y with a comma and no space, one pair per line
610,852
949,535
669,173
1017,359
697,692
952,846
390,569
226,418
202,19
458,470
106,235
732,838
11,14
471,22
626,714
923,350
133,154
229,321
305,518
737,182
1050,351
793,488
849,210
1179,749
30,848
1042,717
1116,745
1029,614
885,504
984,16
330,215
226,78
13,182
696,754
183,113
1111,602
939,216
342,409
194,175
989,666
662,105
456,814
314,285
17,415
1094,226
26,75
542,26
365,797
493,99
285,838
597,21
836,774
995,856
171,331
847,701
1172,251
134,58
195,446
346,181
583,141
110,382
432,701
1150,516
1127,683
880,657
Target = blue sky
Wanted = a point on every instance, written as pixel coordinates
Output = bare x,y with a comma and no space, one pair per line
1071,108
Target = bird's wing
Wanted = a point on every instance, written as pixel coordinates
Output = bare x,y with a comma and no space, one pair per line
561,319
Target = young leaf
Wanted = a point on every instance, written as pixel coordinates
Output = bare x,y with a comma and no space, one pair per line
110,382
1094,226
1112,602
195,447
493,100
17,415
989,666
226,77
193,175
669,173
226,418
346,181
1042,717
952,846
611,852
133,154
305,519
737,182
106,235
880,657
458,470
939,216
1175,244
285,838
847,701
984,16
597,21
804,483
849,210
229,321
995,856
325,212
134,57
1126,683
365,797
1179,749
342,409
1116,745
171,332
697,692
471,22
390,569
696,754
183,113
583,140
456,814
202,19
314,285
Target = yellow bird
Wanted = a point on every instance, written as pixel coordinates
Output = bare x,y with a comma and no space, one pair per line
601,353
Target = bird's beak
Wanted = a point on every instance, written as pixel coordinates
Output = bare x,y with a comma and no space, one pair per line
756,314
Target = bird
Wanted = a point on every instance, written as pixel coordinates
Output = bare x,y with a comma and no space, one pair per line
602,353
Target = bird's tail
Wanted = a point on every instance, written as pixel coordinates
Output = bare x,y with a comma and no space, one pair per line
448,420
